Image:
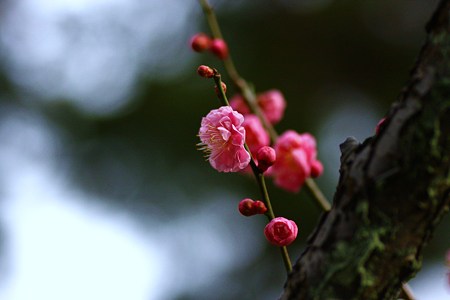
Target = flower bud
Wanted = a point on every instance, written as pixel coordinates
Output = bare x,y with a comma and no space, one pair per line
219,48
259,207
266,157
200,42
224,88
246,207
205,71
316,169
281,231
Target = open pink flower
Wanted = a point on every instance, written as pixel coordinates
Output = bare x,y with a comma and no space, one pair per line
296,160
256,135
273,104
281,231
238,104
222,137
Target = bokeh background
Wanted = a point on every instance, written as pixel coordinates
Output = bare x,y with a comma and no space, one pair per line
103,194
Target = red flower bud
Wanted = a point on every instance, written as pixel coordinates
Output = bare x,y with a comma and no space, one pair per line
224,88
246,207
259,207
219,48
205,71
266,157
200,42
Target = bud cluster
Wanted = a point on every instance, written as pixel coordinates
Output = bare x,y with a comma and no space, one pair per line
248,207
201,42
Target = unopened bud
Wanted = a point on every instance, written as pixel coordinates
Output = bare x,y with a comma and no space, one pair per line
266,157
205,71
219,48
200,42
316,169
224,88
246,207
259,207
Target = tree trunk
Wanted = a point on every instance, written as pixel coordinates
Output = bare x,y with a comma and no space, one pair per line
393,190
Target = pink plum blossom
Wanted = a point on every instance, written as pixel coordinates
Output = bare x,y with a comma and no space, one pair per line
273,104
222,137
281,231
256,135
238,104
296,160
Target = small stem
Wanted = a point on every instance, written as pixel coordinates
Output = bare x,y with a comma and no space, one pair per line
270,215
314,190
263,189
211,18
222,96
217,34
407,292
286,259
239,82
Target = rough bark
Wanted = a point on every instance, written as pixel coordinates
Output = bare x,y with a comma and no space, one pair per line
393,190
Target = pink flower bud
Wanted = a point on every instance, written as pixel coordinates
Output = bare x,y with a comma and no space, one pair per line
259,207
316,169
200,42
266,157
224,88
219,48
205,71
281,231
246,207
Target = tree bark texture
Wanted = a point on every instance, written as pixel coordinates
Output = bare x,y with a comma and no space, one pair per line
393,190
